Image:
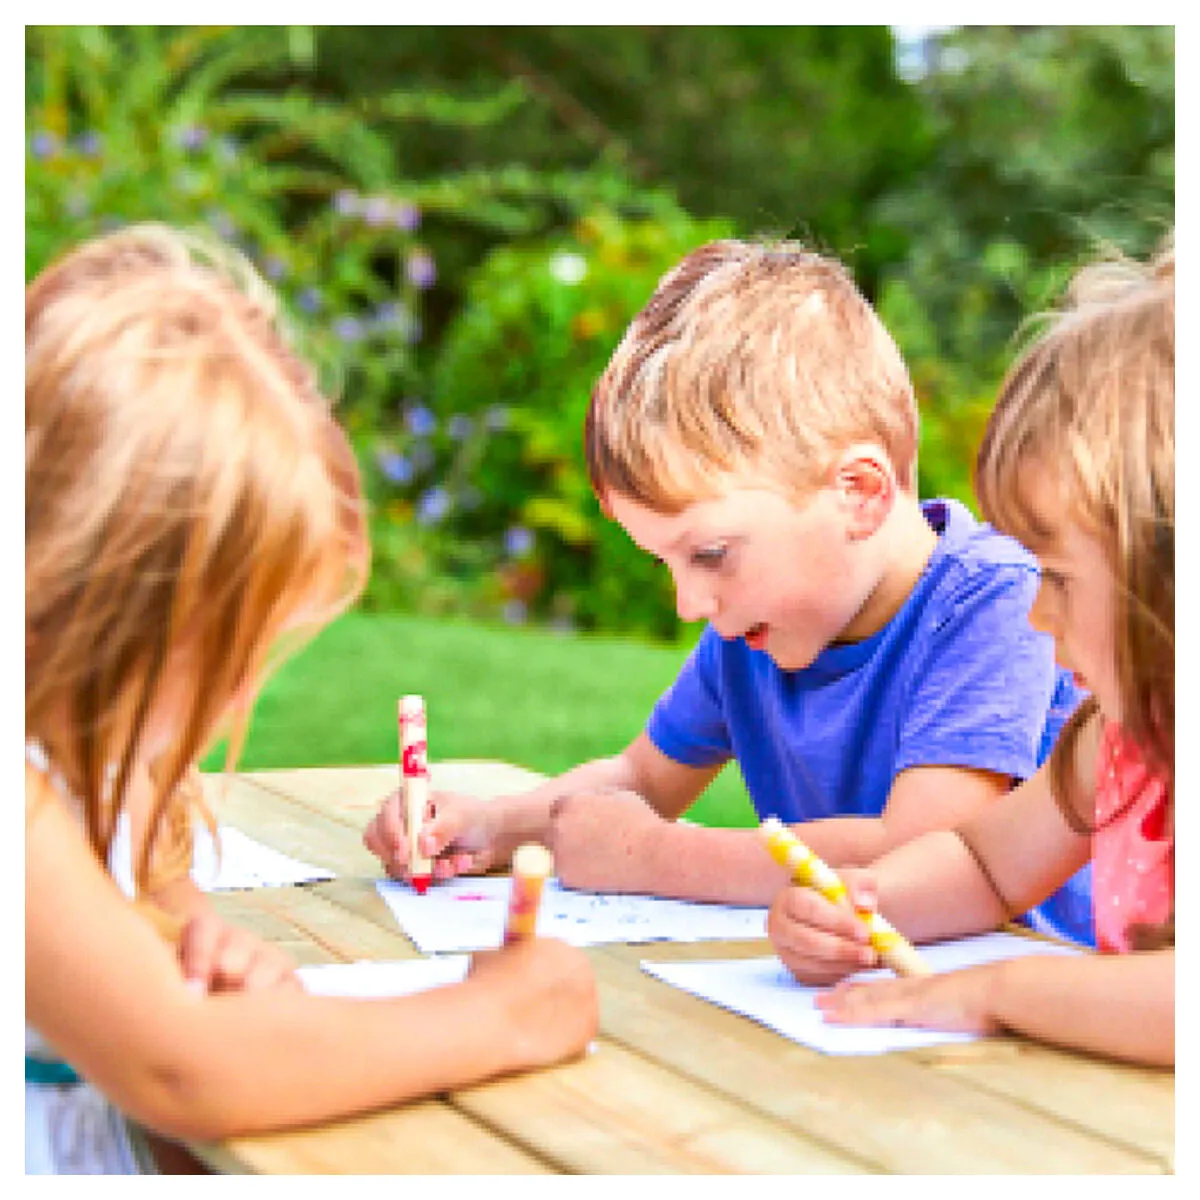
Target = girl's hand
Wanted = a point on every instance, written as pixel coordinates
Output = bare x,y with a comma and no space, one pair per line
223,958
547,993
458,835
821,942
960,1001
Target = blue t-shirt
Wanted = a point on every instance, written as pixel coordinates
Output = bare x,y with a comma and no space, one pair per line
958,677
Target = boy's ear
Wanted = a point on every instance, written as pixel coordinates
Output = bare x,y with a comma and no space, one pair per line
866,488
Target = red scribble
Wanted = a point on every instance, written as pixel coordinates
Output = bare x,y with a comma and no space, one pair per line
471,896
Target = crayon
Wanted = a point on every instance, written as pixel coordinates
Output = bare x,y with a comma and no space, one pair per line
531,865
414,781
808,870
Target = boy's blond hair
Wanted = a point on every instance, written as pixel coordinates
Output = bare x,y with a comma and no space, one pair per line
1091,404
188,495
755,360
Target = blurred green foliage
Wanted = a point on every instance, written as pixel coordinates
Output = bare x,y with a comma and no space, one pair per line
461,221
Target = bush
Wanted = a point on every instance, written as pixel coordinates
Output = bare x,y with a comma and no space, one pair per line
512,525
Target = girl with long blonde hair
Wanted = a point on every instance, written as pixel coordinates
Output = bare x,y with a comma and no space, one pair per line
1078,462
192,507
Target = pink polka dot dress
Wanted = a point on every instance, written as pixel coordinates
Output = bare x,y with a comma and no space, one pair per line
1133,852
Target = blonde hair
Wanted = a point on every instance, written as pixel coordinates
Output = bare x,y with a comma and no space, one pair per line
1092,404
187,496
747,359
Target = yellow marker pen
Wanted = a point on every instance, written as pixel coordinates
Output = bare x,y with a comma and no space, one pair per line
895,950
531,866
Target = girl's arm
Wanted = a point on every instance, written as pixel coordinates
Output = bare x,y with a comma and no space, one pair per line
1010,856
1121,1006
108,994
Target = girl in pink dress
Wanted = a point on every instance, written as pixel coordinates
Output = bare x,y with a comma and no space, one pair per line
1078,462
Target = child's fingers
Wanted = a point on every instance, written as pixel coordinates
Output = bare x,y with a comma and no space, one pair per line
861,888
270,970
801,906
198,947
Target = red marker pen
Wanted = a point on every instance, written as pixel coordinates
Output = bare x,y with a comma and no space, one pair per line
414,781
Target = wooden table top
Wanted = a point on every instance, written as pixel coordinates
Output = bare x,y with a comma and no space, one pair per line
676,1085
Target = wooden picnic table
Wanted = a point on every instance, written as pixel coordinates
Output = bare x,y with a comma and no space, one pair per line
675,1084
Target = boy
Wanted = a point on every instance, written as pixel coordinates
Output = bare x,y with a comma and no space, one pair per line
868,659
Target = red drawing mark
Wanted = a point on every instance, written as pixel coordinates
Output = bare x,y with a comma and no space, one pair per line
421,883
471,896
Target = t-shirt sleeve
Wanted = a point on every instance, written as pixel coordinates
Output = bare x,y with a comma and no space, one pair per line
688,722
981,692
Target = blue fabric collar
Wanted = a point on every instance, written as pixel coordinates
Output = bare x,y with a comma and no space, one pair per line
42,1070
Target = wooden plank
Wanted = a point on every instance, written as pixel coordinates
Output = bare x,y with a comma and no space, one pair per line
356,792
290,826
308,915
896,1112
425,1138
1129,1105
618,1112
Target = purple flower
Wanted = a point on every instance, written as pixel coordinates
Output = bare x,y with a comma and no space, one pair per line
348,329
274,267
518,542
89,144
310,300
388,313
222,222
497,417
433,506
420,421
406,216
395,467
347,203
460,427
43,145
192,137
421,269
376,211
422,457
514,612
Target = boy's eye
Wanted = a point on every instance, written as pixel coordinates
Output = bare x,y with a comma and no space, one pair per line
1054,579
708,556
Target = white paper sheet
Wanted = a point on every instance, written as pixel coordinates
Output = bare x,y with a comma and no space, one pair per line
245,863
372,980
763,990
469,914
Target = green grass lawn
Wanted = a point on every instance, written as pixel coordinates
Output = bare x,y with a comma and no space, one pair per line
540,699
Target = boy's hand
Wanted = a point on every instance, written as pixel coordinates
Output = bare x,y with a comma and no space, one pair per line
959,1000
821,942
458,834
598,840
546,992
224,958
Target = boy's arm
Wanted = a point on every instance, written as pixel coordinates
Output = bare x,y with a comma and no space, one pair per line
667,786
615,843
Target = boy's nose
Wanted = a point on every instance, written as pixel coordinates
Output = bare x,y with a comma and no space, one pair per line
694,603
1041,613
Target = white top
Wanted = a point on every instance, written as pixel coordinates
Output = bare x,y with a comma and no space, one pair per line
71,1129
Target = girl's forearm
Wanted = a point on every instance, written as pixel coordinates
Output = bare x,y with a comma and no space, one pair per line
916,881
1118,1005
259,1061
